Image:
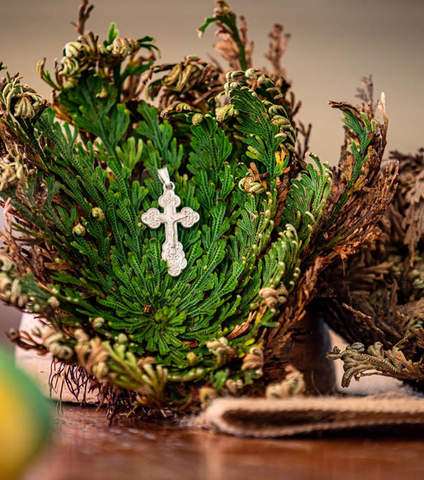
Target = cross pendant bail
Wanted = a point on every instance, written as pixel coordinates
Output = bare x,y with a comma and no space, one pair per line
163,175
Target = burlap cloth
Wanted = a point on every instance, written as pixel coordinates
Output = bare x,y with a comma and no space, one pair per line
305,415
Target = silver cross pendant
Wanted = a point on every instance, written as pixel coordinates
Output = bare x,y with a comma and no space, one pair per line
172,249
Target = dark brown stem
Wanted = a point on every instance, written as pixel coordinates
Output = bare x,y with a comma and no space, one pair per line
84,11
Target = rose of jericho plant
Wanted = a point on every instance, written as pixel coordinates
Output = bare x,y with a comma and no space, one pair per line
376,299
78,173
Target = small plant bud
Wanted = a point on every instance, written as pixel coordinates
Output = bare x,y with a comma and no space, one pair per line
98,213
192,358
79,230
98,323
53,302
122,339
197,119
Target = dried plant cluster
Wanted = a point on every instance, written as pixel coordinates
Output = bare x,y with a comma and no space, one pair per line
77,174
375,299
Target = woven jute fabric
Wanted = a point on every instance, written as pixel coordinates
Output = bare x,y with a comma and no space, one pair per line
305,415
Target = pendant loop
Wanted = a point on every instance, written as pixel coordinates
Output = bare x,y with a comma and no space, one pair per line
164,178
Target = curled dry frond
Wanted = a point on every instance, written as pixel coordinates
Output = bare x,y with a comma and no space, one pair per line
376,361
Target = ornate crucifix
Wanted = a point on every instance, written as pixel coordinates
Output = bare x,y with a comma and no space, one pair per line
172,249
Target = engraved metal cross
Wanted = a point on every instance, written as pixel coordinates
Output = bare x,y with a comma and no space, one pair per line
172,249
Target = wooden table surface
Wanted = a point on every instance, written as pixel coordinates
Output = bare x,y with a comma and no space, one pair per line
86,448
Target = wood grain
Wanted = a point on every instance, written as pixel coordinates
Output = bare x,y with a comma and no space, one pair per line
86,448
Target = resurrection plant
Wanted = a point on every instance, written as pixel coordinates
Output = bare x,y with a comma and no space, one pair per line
375,299
78,173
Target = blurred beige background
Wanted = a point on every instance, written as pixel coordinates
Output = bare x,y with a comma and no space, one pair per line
334,43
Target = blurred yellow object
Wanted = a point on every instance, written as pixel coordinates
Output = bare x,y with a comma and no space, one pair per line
25,419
